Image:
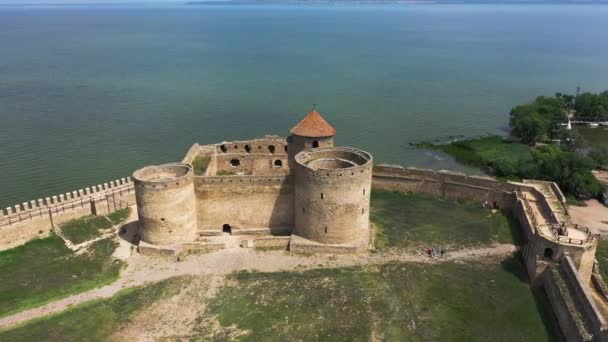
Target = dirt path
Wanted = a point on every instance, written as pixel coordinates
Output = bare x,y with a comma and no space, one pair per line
594,216
143,269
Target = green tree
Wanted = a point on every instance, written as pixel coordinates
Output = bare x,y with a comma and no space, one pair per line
538,120
571,171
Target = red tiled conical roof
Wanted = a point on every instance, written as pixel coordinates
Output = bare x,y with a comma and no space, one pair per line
313,125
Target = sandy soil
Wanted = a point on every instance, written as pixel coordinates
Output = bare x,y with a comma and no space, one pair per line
594,216
145,269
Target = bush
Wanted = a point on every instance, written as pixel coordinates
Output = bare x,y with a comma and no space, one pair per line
200,164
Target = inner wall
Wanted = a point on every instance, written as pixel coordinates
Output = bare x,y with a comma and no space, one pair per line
330,164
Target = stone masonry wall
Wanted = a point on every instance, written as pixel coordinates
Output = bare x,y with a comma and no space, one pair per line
245,202
36,218
332,199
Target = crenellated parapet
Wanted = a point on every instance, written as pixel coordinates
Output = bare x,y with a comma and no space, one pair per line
64,201
36,218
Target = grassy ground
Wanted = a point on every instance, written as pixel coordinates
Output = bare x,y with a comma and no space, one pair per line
93,321
119,215
411,221
392,302
89,227
85,228
200,164
481,151
602,257
44,270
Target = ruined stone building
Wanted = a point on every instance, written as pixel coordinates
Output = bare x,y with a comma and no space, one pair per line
301,186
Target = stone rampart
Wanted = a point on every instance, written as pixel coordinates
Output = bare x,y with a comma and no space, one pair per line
166,203
583,299
244,202
569,318
36,218
332,200
541,210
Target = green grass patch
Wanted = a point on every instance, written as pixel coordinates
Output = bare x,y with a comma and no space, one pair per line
44,270
85,228
225,173
482,151
96,320
392,302
200,164
418,221
119,215
601,255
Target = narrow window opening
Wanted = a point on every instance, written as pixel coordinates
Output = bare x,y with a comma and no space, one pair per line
303,210
325,230
321,195
278,163
285,148
226,228
235,162
363,191
162,219
223,148
236,147
362,211
315,144
271,148
247,148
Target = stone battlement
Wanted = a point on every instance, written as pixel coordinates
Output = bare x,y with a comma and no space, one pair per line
19,211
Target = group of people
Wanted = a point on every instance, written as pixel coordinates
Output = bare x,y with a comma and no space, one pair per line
432,252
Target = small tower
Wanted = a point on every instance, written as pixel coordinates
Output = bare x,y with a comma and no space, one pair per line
310,133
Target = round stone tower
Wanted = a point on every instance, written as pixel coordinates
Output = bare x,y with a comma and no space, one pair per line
310,133
166,204
332,195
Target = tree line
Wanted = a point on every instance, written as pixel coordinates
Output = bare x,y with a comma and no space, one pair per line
569,164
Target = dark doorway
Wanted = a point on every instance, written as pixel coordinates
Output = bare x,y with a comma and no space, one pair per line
315,144
226,229
548,253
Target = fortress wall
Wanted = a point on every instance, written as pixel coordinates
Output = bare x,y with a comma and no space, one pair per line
166,204
252,164
36,218
268,144
442,184
563,306
245,202
582,296
332,200
192,153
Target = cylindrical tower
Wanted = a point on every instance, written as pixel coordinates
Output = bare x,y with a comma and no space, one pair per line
166,204
332,195
310,133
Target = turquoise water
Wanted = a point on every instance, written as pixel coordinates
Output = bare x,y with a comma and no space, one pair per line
90,94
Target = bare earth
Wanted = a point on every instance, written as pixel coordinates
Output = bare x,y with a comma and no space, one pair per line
594,216
145,269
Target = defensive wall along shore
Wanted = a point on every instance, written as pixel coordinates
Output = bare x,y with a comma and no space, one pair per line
559,257
36,218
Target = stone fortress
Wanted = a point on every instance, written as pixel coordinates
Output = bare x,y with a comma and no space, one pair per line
301,187
303,194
